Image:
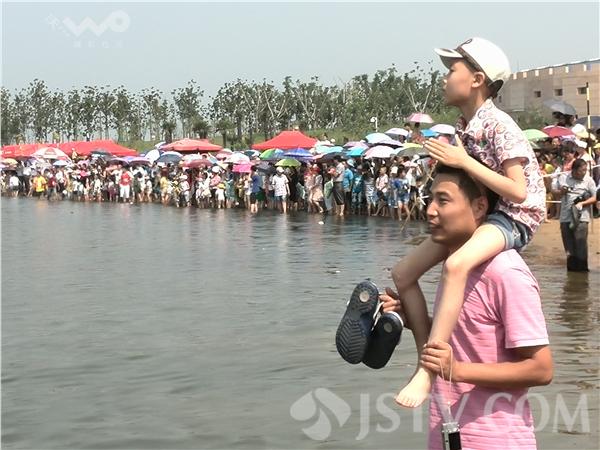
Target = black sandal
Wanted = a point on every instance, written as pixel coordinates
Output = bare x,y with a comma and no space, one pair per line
384,339
354,331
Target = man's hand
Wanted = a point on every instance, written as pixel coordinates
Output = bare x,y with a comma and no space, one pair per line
391,302
449,155
437,358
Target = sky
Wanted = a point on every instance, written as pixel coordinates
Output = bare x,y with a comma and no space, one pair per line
164,44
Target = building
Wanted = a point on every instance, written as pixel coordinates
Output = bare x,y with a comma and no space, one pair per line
527,89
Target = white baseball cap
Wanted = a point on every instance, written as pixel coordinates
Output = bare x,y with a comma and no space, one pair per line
483,56
579,143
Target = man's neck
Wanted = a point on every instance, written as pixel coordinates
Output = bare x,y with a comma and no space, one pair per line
469,108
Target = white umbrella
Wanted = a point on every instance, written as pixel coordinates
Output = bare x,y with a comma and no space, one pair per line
380,151
60,163
442,128
191,157
393,132
153,155
237,158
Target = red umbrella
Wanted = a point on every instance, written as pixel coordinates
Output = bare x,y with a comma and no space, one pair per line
85,148
287,140
556,131
192,145
21,150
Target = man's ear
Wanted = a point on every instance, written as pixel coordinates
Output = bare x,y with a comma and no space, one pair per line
480,207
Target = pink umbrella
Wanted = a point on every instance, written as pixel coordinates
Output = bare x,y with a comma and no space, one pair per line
556,131
197,163
242,168
419,118
223,154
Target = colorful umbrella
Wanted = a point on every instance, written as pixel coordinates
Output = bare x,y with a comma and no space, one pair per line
288,162
419,118
298,153
50,153
534,135
273,153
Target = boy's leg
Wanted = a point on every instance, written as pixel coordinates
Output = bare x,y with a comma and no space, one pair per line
487,241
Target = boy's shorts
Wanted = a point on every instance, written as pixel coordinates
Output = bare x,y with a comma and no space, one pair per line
516,234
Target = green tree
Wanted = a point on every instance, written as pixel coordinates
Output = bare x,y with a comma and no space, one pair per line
187,101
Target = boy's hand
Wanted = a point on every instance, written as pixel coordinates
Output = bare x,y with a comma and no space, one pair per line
437,358
449,155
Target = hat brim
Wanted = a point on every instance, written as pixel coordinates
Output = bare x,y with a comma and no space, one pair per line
448,56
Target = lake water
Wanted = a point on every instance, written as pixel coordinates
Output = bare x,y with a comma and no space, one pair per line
151,327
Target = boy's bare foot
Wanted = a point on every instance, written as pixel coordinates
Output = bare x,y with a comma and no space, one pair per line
416,391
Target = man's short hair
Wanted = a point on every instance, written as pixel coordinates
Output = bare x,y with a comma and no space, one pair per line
337,158
469,186
578,163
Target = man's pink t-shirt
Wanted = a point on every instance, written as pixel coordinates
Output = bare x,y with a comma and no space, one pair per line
501,311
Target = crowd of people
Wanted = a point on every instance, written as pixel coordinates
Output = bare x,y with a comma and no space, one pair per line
392,188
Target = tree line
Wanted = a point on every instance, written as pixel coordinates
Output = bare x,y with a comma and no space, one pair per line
238,111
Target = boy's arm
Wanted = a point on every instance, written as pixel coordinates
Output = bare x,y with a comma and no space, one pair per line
533,368
511,186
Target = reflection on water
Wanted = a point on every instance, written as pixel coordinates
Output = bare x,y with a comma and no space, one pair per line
149,327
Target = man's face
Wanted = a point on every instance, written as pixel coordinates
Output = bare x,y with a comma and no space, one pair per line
452,217
458,83
580,172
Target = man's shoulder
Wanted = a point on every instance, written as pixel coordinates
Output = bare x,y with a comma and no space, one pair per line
506,265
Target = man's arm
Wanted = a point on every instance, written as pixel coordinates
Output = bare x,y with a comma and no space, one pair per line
533,367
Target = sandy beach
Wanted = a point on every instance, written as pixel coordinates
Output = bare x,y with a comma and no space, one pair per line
547,244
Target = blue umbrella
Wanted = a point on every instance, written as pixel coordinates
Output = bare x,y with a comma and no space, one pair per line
169,157
375,138
356,151
298,153
428,133
335,149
